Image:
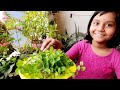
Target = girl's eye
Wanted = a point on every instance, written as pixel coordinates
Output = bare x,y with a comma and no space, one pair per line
109,25
96,23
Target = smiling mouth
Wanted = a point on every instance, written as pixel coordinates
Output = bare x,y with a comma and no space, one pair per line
99,34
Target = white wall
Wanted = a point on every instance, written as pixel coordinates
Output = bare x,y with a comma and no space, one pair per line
81,18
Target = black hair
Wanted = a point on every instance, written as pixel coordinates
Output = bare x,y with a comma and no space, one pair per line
115,41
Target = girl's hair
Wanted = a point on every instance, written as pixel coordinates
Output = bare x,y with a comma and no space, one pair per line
115,41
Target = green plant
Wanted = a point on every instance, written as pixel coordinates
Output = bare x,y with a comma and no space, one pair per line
7,67
9,21
48,64
36,25
5,41
79,67
118,47
7,64
69,41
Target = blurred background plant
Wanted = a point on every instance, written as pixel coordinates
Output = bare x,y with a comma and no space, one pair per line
5,41
7,65
118,47
37,26
69,41
9,21
34,25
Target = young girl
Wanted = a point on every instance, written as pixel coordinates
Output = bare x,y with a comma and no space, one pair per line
97,50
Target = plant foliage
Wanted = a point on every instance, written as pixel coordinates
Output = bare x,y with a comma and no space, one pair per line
48,64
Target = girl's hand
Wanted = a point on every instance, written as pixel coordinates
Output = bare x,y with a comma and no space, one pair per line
36,45
51,42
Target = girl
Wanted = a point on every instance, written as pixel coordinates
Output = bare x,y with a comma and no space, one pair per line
97,50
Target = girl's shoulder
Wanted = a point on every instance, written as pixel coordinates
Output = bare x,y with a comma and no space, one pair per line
115,56
115,59
83,42
116,52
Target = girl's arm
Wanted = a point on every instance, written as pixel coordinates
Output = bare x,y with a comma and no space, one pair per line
116,64
72,53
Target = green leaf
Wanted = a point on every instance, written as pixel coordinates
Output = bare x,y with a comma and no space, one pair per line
9,70
59,70
2,77
78,67
63,68
56,73
19,63
83,68
17,71
51,48
48,70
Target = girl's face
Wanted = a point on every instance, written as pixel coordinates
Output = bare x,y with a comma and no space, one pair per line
103,27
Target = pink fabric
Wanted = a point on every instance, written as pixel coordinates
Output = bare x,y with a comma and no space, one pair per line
97,67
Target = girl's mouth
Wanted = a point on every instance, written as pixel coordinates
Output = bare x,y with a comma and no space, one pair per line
99,34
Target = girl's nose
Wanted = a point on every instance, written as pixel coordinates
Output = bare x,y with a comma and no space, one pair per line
101,28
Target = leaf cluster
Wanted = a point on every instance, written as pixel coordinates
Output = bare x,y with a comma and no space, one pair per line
7,67
10,22
47,64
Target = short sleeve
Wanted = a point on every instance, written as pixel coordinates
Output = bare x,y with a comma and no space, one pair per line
117,65
75,50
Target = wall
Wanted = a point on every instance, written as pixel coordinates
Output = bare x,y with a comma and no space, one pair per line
64,21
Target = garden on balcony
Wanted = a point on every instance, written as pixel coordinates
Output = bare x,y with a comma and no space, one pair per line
20,54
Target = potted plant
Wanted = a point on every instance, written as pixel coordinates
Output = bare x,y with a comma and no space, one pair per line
8,57
34,63
36,26
50,64
69,41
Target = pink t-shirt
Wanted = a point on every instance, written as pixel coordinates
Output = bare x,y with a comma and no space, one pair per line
97,67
